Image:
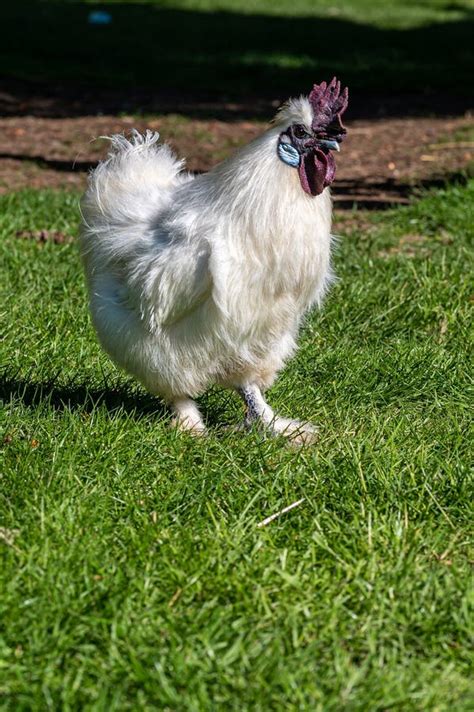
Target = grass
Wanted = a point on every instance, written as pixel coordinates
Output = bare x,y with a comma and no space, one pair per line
133,573
237,48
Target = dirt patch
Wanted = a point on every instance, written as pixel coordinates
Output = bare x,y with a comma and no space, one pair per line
41,236
380,163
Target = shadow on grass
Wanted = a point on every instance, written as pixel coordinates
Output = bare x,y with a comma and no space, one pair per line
154,59
79,397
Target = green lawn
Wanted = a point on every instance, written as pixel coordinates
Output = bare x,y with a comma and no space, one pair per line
133,575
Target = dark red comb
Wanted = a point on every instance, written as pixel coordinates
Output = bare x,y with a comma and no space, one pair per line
328,104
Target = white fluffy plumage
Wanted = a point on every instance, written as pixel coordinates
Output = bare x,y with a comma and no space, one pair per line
200,280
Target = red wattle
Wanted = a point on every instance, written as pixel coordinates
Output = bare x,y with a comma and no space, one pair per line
316,171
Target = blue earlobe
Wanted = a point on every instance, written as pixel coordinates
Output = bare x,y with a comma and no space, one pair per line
288,154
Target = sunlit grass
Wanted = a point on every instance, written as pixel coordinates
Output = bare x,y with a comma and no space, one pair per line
133,574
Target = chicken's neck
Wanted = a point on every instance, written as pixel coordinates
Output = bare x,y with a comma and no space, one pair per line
264,195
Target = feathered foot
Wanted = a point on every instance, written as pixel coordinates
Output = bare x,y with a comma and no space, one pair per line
187,418
260,413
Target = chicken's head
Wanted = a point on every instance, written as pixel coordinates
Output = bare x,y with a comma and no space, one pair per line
313,129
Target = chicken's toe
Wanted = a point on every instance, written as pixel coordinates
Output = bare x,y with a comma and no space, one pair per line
296,431
187,418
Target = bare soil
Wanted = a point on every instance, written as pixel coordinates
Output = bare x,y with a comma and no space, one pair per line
380,163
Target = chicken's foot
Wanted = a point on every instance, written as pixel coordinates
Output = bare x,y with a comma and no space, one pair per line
186,417
260,413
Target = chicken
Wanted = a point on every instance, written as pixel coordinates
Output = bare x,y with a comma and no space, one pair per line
201,280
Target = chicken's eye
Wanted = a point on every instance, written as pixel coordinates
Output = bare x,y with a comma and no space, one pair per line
300,131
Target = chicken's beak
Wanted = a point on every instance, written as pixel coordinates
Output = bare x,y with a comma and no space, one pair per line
333,145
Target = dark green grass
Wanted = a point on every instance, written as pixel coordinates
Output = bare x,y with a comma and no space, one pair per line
238,48
133,574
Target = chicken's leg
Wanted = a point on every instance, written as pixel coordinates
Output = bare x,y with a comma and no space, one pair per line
186,416
259,412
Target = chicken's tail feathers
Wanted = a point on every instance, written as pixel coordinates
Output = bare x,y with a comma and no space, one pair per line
121,144
127,190
140,148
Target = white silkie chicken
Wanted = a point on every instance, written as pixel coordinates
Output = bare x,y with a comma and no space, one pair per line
200,280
